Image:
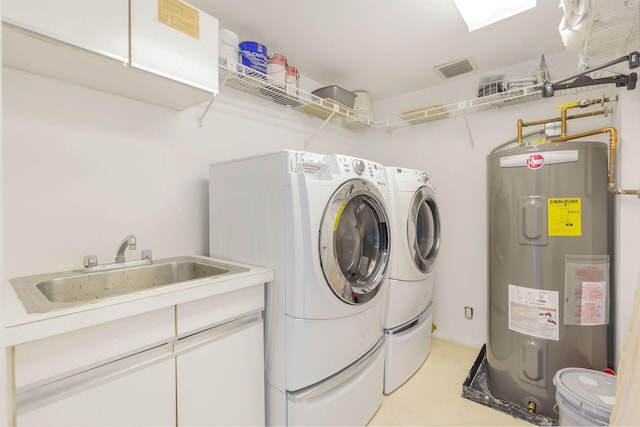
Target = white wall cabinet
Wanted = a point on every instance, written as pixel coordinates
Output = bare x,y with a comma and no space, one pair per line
196,363
173,60
175,40
96,25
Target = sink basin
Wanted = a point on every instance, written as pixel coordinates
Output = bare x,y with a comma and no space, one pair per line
47,292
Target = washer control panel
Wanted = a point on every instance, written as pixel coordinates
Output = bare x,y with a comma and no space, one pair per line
332,166
358,166
348,165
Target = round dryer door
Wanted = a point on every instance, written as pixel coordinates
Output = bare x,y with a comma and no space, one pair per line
354,242
423,229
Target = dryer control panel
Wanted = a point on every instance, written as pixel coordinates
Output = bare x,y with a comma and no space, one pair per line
405,179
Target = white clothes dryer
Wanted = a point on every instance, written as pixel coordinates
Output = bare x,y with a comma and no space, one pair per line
415,229
321,222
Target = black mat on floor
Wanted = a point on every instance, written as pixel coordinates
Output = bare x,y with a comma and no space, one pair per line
476,389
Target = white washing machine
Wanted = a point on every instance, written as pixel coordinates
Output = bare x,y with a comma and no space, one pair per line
321,223
415,230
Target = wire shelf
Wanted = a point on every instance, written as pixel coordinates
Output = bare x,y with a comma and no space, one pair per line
462,108
248,80
245,79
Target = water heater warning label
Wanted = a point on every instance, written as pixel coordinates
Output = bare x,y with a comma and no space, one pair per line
564,216
586,290
534,312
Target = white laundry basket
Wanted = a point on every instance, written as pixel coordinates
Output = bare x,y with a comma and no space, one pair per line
362,106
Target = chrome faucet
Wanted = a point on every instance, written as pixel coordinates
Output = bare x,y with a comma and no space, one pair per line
90,262
127,242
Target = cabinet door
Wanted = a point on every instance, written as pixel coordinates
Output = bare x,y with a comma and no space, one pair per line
96,25
137,390
175,40
76,351
220,375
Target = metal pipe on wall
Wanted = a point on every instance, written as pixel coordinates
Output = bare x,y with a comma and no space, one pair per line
564,114
613,135
522,124
613,147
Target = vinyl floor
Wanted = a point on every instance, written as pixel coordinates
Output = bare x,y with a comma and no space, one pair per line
433,395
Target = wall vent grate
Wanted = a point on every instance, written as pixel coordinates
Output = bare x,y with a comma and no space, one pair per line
456,68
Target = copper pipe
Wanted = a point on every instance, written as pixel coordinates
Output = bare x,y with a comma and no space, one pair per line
613,147
580,104
625,192
522,124
563,115
563,122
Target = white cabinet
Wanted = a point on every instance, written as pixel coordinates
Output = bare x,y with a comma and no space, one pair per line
66,379
195,363
136,390
220,377
175,40
164,52
220,370
96,25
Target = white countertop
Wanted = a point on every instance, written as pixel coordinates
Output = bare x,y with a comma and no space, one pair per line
21,326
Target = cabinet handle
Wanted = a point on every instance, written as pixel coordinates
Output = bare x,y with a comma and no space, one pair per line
201,338
32,398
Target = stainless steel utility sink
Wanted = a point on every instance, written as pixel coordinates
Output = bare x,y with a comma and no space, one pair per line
54,291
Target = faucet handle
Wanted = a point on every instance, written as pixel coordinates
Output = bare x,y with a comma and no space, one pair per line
90,261
146,254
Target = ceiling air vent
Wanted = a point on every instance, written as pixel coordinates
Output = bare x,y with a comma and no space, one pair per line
455,68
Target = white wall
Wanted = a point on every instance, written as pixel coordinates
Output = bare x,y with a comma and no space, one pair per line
455,155
627,217
84,168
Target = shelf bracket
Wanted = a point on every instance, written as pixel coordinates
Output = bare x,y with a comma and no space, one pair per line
206,110
466,123
230,65
306,143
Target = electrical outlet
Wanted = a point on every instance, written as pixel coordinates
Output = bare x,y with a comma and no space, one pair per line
468,312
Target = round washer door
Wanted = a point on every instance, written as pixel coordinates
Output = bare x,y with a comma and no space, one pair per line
423,229
354,242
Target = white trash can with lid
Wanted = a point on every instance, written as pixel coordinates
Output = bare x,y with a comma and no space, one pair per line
585,397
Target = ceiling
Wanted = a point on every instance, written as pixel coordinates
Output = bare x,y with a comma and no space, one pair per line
386,47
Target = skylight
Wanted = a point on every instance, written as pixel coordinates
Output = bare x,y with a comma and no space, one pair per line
478,14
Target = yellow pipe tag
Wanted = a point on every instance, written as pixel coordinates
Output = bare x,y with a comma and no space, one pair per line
567,105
